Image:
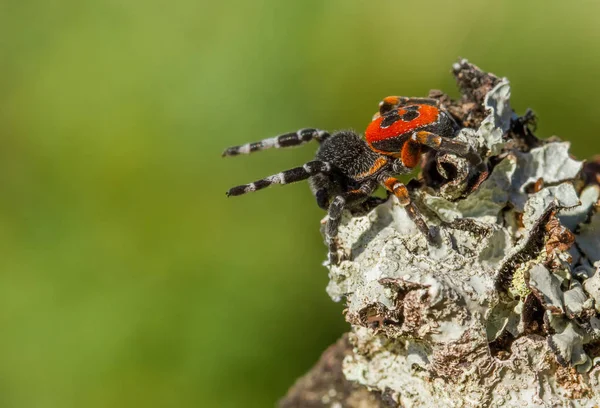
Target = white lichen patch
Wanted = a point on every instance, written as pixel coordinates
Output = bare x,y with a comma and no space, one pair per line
571,218
547,288
496,124
502,312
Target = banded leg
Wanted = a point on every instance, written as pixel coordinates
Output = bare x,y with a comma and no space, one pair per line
395,186
286,140
445,144
349,199
390,103
285,177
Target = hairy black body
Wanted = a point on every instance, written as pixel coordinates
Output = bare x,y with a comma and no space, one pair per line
344,175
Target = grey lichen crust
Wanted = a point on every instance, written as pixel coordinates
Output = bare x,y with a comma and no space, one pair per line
502,313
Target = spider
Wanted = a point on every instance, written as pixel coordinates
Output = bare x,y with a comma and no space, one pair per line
347,169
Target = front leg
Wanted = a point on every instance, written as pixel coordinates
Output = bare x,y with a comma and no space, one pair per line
445,144
393,185
350,199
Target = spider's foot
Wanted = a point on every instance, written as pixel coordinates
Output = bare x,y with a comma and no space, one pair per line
336,258
338,255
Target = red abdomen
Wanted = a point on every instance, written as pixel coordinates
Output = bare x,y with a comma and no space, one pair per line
387,134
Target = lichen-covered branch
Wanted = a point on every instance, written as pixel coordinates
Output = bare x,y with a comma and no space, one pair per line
502,313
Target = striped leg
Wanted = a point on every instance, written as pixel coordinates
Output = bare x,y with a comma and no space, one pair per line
395,186
448,145
349,199
286,140
394,102
285,177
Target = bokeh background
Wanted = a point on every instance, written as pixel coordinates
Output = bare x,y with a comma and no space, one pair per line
126,277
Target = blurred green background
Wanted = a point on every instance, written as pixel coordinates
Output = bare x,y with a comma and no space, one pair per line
127,278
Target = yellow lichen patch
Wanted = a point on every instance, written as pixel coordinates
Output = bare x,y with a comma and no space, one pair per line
518,286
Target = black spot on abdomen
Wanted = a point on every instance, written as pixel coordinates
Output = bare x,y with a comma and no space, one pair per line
410,115
390,119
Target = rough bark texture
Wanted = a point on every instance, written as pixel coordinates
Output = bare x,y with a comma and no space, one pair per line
326,386
502,313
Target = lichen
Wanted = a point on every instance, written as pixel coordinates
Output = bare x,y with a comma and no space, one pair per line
503,311
519,287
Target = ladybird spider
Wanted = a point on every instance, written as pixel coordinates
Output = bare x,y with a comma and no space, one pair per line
347,169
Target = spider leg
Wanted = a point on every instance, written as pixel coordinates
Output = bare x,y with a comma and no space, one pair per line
285,177
391,103
401,192
445,144
346,200
286,140
410,154
321,185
